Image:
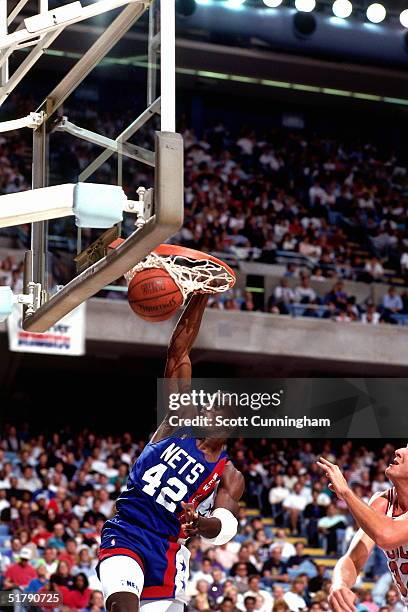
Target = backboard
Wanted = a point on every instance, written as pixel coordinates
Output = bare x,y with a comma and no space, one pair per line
158,208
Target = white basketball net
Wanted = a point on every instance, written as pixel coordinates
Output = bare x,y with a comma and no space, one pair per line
189,274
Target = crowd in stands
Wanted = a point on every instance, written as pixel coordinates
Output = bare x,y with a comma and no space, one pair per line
293,295
332,209
342,206
57,490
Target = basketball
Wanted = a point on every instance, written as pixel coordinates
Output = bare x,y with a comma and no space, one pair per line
153,295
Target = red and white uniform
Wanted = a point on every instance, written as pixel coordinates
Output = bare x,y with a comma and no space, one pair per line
398,557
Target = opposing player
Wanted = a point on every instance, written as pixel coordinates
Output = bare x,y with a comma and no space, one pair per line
384,521
179,486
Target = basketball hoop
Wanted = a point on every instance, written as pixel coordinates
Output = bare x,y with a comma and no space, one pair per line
192,271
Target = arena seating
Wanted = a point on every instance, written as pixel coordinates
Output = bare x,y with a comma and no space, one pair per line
57,489
302,202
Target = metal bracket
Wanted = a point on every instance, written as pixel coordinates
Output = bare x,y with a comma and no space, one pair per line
95,251
123,137
33,300
143,207
33,121
129,150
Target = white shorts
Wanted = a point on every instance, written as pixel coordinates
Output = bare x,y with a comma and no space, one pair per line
120,574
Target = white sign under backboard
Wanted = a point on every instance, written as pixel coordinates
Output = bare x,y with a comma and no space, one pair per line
67,337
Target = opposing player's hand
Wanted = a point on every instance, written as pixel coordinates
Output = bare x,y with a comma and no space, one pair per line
342,600
338,483
190,519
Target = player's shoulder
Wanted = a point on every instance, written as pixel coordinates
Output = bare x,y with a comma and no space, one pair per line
382,500
232,478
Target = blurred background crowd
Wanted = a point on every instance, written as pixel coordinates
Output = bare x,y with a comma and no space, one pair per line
57,490
326,208
294,294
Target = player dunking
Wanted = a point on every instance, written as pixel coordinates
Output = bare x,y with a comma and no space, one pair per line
178,487
382,522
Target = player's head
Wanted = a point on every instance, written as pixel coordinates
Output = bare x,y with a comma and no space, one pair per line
222,414
397,471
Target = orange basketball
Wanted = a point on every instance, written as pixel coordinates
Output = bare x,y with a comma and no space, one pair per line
153,295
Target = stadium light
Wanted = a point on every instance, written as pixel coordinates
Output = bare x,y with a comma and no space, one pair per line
305,6
234,4
376,13
404,18
342,8
272,3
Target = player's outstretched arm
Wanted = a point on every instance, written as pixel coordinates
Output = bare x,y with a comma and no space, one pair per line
178,365
385,532
221,527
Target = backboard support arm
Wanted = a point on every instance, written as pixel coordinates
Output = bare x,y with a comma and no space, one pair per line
166,220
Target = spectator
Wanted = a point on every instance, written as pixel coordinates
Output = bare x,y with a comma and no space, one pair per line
371,316
96,603
393,601
275,570
216,588
29,480
20,574
294,504
244,557
86,565
374,270
57,540
250,603
291,271
337,295
295,597
63,575
69,555
39,581
304,293
404,265
280,605
392,304
79,596
205,572
283,296
313,512
287,548
329,525
300,556
254,589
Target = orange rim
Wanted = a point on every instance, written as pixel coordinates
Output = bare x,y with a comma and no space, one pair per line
165,250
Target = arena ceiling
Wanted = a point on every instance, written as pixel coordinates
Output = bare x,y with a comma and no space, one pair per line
208,64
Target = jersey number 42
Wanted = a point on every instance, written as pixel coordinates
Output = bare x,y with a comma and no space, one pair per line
169,495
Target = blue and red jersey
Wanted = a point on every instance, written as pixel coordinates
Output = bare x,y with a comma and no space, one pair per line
147,524
167,473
